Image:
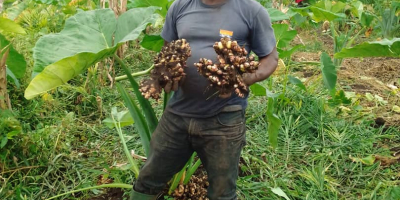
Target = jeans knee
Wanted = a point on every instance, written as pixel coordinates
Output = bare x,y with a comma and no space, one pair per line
222,188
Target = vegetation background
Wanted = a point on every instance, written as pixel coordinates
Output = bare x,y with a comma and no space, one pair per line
339,136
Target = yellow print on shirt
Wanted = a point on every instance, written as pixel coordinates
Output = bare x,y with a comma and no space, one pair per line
225,33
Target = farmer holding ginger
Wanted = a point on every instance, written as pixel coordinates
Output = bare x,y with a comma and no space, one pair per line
197,118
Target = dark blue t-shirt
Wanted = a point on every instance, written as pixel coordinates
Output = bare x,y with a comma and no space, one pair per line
202,25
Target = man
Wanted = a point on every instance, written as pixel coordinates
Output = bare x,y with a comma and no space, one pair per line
196,118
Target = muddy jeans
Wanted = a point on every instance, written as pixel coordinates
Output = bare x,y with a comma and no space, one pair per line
217,140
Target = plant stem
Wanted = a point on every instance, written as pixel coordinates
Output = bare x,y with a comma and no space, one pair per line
112,185
5,102
133,163
124,77
191,171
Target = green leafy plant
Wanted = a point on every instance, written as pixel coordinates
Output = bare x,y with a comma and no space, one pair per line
100,35
388,21
9,127
383,48
163,4
329,73
323,11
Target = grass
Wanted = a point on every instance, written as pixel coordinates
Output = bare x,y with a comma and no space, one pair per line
312,159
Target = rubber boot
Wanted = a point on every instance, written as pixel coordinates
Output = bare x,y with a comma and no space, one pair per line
141,196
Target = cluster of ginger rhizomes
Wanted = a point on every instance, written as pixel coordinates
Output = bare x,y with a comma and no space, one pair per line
168,69
196,189
227,74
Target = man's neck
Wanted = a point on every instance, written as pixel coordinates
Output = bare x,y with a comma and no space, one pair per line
213,2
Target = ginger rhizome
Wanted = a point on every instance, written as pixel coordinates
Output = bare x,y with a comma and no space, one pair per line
168,69
196,189
227,74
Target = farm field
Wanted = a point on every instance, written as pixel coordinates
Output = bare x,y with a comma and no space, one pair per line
74,123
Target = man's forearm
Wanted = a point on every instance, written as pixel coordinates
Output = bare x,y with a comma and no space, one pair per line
268,65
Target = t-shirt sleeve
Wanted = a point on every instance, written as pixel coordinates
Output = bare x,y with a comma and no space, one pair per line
262,40
169,31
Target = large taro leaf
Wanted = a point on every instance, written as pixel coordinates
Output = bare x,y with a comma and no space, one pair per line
276,15
163,4
15,62
152,42
282,35
325,10
14,11
329,73
9,26
383,48
320,14
87,38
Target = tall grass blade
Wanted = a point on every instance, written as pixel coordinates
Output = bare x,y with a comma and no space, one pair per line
140,122
147,109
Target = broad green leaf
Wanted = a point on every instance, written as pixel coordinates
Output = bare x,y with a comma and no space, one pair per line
164,4
282,35
90,31
383,48
123,117
274,124
295,81
357,8
302,11
329,73
337,7
276,15
258,90
322,15
288,53
87,38
366,19
140,123
3,142
278,191
15,62
9,26
61,72
329,6
14,11
153,42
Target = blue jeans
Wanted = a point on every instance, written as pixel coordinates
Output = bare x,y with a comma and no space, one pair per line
218,141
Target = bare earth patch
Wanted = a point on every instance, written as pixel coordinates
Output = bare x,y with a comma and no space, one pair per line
378,76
